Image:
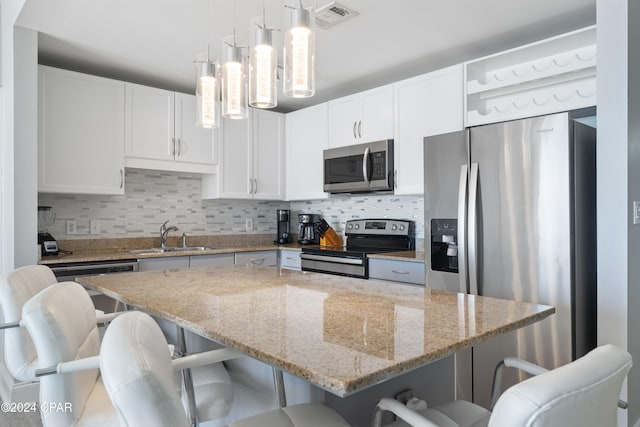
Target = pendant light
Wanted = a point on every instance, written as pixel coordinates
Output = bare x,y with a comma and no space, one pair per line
262,66
234,92
299,54
207,93
207,96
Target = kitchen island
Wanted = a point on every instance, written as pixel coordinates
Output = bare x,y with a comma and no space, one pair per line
341,334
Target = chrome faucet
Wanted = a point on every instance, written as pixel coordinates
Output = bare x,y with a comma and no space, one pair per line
164,230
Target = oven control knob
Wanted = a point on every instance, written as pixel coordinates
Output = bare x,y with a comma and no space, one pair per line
350,226
394,227
402,228
357,226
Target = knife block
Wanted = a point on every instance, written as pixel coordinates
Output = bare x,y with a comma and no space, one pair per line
330,238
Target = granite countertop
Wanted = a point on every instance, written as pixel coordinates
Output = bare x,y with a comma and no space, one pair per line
98,250
341,334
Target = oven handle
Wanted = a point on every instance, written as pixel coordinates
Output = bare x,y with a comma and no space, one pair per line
337,260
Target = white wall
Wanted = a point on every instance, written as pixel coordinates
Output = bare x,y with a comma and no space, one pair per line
9,10
618,183
26,146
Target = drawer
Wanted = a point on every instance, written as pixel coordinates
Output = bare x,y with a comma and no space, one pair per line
398,271
290,259
268,258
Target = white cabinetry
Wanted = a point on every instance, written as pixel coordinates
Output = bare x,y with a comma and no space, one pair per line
549,76
161,132
80,133
430,104
268,258
216,260
397,271
364,117
252,159
290,259
307,137
164,263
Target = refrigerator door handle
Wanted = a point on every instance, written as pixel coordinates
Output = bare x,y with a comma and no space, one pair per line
472,249
462,235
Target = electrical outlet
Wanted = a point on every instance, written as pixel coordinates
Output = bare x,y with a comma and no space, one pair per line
248,224
71,226
94,225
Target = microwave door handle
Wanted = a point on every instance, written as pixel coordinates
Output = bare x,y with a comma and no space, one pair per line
365,165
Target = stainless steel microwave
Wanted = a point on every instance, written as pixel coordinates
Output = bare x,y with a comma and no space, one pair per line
359,168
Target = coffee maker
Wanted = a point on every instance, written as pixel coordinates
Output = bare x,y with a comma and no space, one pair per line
284,233
308,234
46,218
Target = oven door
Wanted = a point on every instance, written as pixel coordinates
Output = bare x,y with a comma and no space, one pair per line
359,168
340,265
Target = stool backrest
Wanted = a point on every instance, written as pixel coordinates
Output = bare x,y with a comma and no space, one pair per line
582,393
62,322
16,288
138,375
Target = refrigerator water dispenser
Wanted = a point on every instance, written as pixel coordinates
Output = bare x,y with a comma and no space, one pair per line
444,245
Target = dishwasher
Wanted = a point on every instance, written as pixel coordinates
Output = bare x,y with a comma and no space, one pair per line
69,272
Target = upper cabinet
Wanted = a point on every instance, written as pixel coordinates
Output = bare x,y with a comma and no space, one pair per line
549,76
364,117
161,132
80,133
307,137
251,159
430,104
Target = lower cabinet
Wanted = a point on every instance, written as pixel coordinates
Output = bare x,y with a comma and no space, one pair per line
211,260
397,271
268,258
164,263
290,259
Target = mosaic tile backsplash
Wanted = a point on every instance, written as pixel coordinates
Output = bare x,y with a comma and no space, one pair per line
152,197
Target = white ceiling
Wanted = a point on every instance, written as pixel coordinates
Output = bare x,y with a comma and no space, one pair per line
155,42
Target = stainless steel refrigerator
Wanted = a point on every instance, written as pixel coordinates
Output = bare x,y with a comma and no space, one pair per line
510,213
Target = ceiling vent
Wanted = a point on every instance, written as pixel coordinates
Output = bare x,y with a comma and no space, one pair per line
333,14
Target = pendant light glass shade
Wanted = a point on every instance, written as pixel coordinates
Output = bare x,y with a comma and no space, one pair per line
262,69
234,88
207,94
299,54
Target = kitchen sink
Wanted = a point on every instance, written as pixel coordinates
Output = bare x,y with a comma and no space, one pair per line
170,249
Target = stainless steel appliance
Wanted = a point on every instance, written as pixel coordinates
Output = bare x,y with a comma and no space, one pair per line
359,168
510,211
69,272
308,234
363,236
284,233
46,218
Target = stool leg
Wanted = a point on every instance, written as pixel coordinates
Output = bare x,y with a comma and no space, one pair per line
188,381
278,383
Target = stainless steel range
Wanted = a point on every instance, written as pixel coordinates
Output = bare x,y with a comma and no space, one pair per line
364,236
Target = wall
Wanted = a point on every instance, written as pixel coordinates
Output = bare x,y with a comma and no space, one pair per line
337,209
26,144
152,197
617,185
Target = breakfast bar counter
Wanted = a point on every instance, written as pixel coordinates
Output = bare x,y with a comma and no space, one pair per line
339,333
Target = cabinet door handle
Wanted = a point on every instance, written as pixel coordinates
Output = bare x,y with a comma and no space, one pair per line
354,129
121,178
395,178
360,128
179,147
173,146
400,271
255,188
257,261
250,186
